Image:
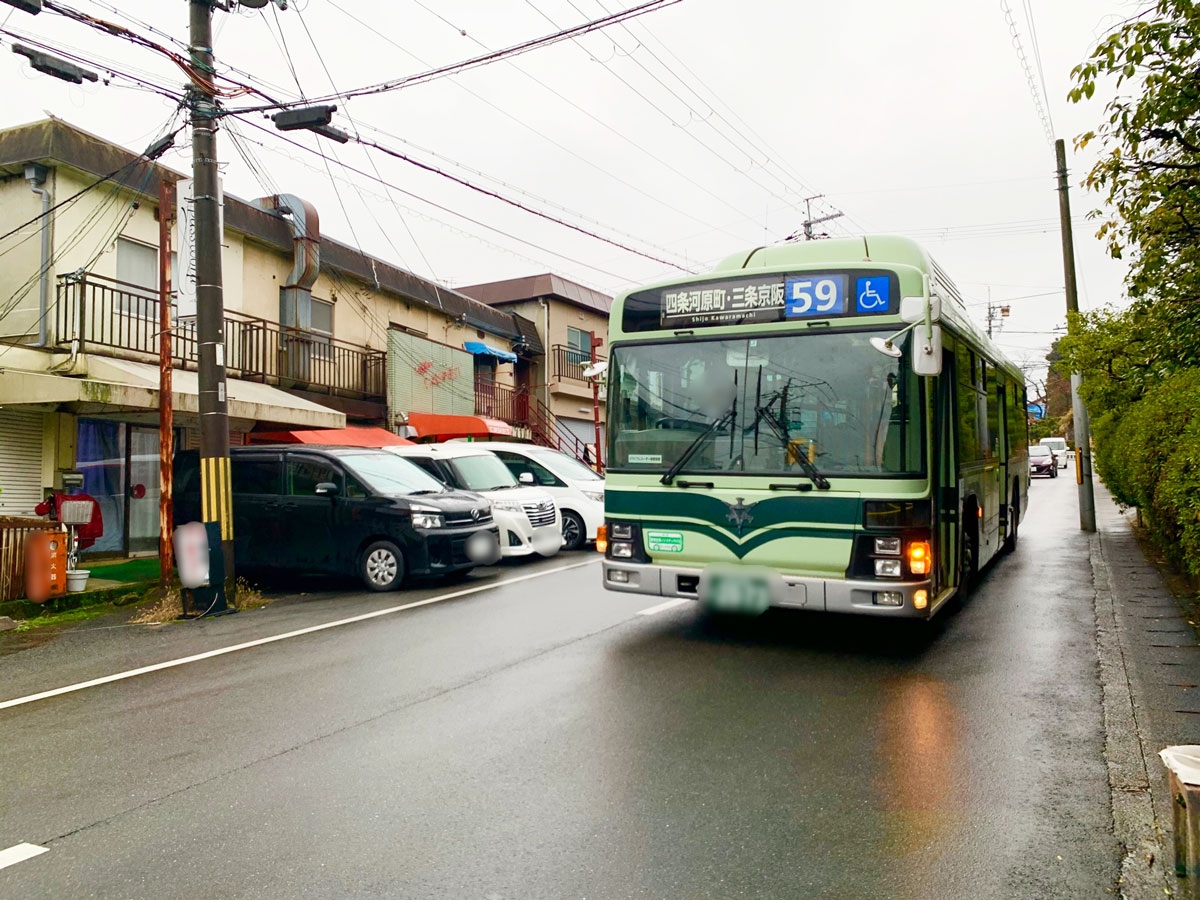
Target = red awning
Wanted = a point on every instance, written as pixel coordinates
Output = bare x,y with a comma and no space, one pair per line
350,436
444,428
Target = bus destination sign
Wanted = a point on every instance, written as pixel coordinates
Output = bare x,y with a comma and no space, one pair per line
759,299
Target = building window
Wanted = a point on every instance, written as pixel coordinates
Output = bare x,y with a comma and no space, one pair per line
322,328
579,345
137,268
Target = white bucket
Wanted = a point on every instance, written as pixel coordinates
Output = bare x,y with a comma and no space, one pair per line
77,579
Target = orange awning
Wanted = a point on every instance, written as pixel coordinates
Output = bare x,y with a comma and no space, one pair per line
445,428
350,436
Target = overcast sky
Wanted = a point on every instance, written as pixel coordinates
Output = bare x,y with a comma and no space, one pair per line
690,133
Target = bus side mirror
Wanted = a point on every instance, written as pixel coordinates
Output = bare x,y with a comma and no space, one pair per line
912,309
927,350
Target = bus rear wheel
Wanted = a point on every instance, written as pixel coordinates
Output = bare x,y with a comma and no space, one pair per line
1014,524
969,566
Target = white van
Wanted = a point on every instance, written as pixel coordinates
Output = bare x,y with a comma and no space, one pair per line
578,490
528,518
1058,446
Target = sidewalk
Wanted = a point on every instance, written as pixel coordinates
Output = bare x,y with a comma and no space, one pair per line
1150,672
109,582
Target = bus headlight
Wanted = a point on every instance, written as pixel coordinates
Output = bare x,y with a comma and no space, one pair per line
887,568
887,546
621,550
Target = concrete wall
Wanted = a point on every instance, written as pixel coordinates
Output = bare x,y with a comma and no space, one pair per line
22,256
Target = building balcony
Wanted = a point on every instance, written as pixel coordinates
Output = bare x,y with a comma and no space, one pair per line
107,317
570,363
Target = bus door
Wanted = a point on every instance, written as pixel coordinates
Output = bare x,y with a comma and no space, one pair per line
945,488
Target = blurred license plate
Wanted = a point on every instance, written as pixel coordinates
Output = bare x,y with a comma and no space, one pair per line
738,594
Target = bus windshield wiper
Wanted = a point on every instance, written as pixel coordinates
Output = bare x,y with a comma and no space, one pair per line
691,448
762,413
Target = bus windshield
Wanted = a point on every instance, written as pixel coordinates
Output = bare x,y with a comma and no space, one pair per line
769,404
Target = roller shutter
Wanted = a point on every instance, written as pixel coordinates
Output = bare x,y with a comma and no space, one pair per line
20,462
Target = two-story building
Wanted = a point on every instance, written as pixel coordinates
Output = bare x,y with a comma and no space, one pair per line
318,335
567,315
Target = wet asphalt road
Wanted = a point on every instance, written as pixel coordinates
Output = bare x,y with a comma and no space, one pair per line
541,739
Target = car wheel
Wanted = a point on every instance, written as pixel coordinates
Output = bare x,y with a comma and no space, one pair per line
574,533
1054,473
381,566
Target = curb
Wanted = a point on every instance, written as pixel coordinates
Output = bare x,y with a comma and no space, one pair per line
1143,866
24,609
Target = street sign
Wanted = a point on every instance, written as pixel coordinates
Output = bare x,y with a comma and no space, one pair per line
1036,411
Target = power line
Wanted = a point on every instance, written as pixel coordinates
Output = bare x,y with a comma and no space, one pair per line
477,61
618,133
435,205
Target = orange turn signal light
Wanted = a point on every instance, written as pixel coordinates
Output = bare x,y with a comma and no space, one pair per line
920,599
602,539
919,557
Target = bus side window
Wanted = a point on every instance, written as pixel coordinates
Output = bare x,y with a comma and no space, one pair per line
968,409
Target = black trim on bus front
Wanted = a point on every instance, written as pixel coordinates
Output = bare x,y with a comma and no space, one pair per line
921,405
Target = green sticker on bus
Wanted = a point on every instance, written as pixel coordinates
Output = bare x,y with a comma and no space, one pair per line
664,541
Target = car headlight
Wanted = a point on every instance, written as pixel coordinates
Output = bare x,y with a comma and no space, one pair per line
594,496
427,520
510,505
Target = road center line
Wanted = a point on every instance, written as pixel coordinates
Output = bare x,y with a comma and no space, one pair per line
19,853
663,607
299,632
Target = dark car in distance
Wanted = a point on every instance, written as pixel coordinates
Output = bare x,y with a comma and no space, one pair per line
344,510
1042,461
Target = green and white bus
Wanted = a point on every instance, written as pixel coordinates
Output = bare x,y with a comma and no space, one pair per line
815,425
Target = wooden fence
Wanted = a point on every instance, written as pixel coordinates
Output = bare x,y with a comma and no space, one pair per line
13,533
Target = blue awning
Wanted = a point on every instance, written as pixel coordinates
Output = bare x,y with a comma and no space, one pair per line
479,348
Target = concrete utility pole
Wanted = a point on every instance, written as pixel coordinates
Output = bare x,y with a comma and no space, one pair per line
166,422
1083,431
216,501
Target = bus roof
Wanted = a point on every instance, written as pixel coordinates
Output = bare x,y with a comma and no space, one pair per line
878,249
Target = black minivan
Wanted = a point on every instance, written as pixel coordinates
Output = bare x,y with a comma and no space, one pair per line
344,510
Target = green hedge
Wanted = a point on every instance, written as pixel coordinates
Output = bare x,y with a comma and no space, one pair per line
1149,456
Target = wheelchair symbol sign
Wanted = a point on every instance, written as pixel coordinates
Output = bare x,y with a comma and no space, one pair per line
874,294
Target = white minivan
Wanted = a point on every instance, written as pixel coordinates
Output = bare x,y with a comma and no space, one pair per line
528,518
578,490
1058,446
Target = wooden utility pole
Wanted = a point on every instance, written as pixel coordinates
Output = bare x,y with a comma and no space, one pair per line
166,422
216,498
1083,431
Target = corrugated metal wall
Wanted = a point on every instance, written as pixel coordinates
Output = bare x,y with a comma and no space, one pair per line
427,377
20,462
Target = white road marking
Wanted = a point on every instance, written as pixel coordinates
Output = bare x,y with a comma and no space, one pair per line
19,853
221,651
663,607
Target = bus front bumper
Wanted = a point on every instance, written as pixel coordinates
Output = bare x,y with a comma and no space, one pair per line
794,592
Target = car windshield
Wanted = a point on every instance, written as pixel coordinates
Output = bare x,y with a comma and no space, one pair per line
769,405
482,473
1039,450
388,474
566,466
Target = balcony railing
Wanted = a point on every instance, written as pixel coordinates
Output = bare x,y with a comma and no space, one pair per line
496,401
569,362
104,314
518,406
